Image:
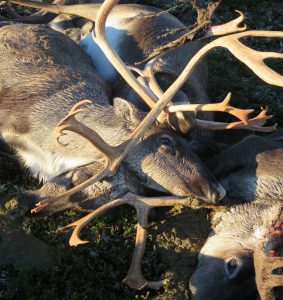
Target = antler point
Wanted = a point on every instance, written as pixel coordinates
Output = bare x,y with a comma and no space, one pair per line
227,99
76,242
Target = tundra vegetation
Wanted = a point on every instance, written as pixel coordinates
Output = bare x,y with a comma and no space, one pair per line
177,234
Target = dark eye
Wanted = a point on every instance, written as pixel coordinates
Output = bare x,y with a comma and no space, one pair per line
232,267
165,141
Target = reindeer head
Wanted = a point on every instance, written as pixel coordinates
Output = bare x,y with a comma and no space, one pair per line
226,262
163,160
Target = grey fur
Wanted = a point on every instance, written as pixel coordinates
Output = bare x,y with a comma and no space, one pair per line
251,169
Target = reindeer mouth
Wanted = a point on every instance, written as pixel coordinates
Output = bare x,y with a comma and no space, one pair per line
268,263
274,245
274,248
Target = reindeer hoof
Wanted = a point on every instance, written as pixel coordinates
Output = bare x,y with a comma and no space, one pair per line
135,283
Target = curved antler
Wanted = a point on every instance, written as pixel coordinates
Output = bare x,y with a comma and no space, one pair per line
252,58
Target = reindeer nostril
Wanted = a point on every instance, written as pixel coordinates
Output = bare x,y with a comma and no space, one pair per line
216,195
222,192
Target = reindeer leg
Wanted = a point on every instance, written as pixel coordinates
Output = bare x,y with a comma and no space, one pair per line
142,205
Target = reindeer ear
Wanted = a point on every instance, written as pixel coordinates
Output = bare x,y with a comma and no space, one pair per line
126,110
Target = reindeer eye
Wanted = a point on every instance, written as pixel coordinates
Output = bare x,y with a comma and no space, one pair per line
232,267
165,141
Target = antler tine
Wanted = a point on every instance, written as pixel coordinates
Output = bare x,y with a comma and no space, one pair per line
252,58
241,114
149,75
229,27
208,125
72,124
254,124
142,205
75,239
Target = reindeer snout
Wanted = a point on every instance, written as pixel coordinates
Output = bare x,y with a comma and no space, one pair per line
215,193
207,188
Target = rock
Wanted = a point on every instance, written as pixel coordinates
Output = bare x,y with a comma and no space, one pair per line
21,249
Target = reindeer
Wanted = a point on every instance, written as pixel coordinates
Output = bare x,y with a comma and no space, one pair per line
245,244
70,71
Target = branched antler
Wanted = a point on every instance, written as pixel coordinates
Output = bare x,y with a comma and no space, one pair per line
142,205
231,42
224,106
255,124
241,114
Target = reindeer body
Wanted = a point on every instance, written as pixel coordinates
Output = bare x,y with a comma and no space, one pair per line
251,169
38,88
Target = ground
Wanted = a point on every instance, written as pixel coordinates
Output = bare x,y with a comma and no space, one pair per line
95,270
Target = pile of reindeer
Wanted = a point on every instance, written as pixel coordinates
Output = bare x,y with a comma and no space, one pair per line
123,109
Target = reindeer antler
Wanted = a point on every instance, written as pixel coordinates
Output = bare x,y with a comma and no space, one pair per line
142,205
253,59
229,27
255,124
120,152
241,114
